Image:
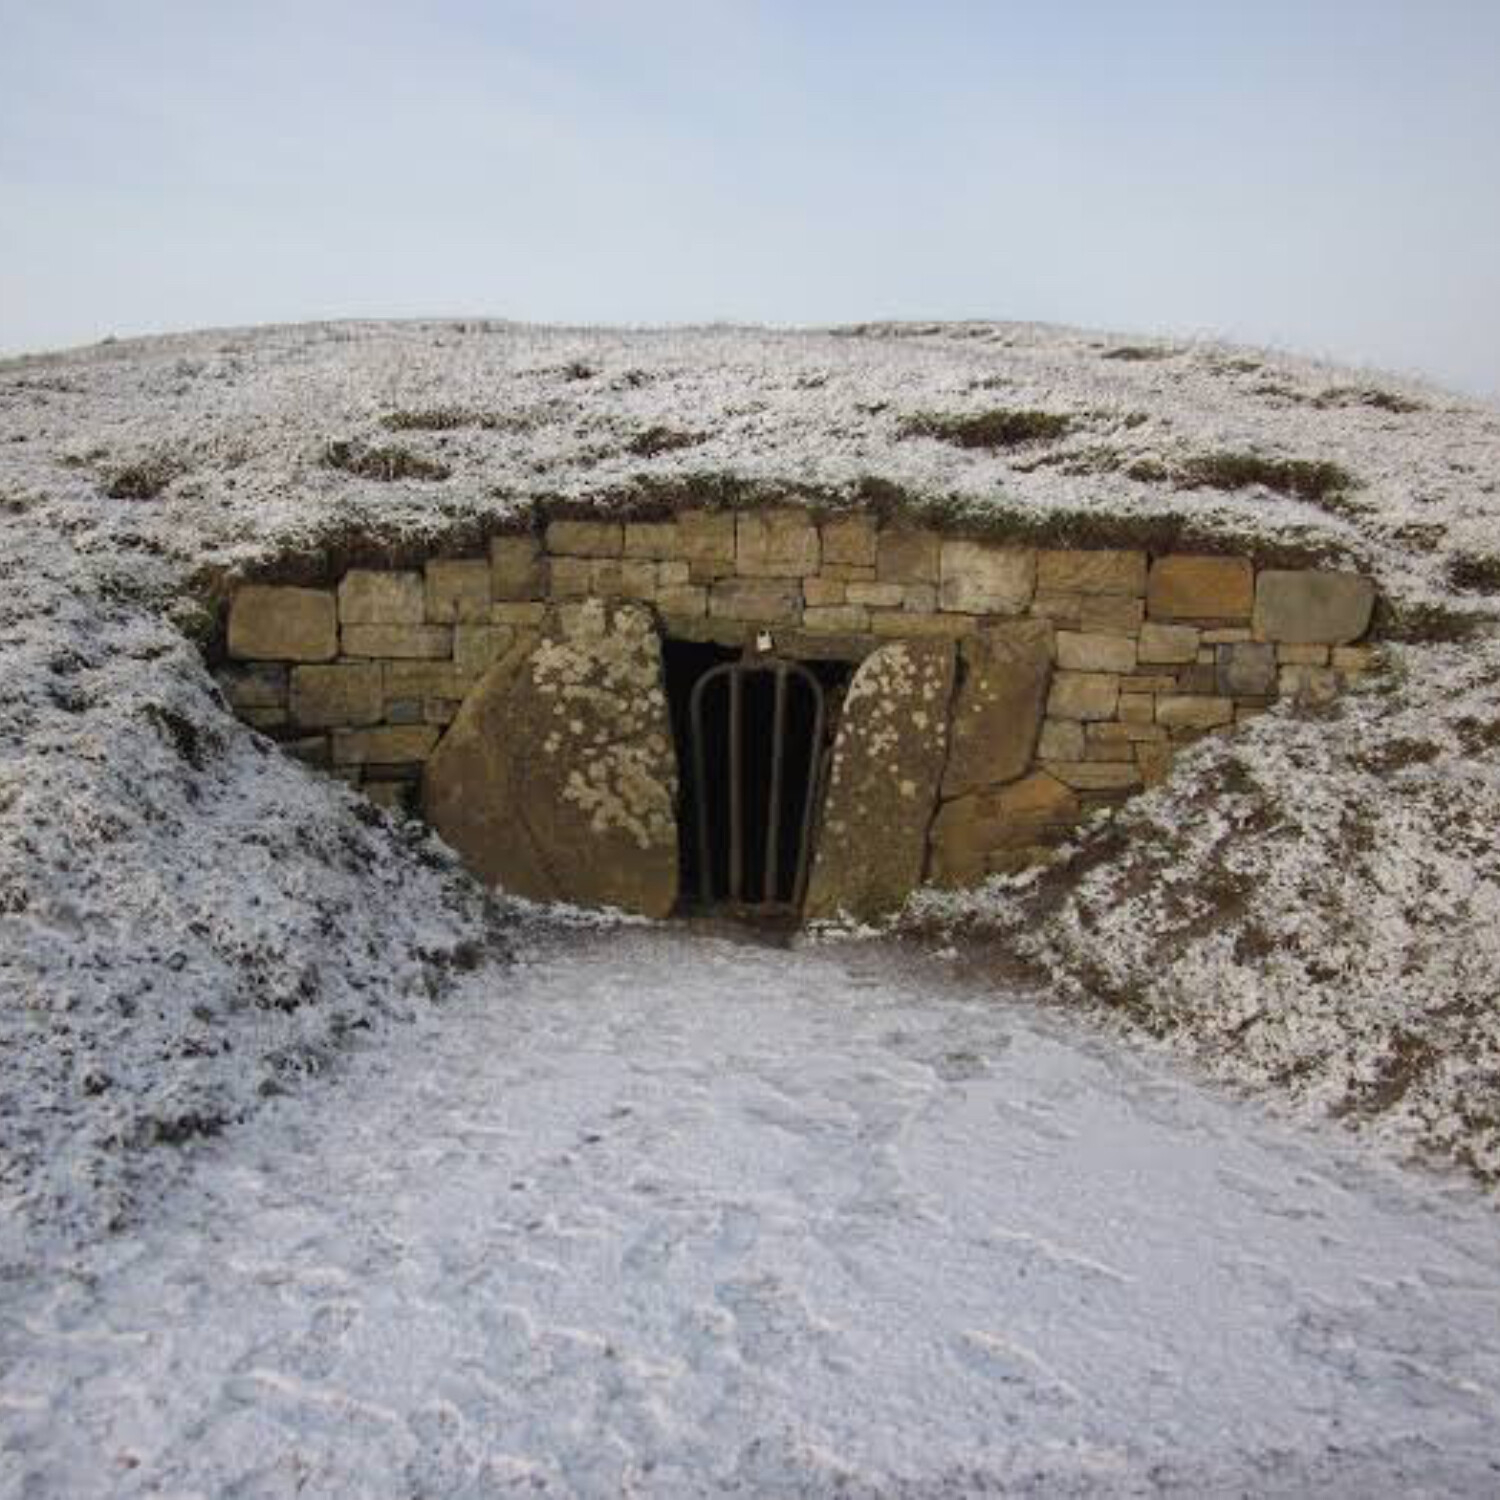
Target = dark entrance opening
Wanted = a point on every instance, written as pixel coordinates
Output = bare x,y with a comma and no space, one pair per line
753,734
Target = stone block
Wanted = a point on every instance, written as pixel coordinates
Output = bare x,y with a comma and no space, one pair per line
1193,711
1064,610
457,589
1080,652
979,579
1097,775
572,577
1155,761
1113,614
673,572
518,571
337,695
878,595
907,556
849,540
1312,607
268,623
1136,708
1201,678
683,599
585,538
384,745
1062,739
653,539
969,830
919,598
1228,636
842,619
622,578
1356,658
1095,571
517,612
756,601
997,706
1302,656
476,646
1310,687
374,596
1246,669
393,796
440,711
426,641
1185,587
311,750
896,622
817,593
707,537
848,572
403,711
256,685
1083,695
424,679
776,544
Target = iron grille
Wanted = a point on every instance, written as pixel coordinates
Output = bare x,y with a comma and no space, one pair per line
783,882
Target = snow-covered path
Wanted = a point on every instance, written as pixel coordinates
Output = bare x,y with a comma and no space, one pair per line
666,1215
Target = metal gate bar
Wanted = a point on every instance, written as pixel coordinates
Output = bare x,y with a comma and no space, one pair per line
733,675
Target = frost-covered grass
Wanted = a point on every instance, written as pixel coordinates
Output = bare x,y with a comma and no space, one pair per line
188,920
1311,906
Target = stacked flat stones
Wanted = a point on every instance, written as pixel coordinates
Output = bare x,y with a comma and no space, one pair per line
1079,670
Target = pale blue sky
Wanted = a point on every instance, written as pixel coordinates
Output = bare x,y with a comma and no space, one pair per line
1324,174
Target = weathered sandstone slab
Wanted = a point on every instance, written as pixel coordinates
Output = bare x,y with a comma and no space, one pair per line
1307,607
997,709
270,623
558,779
1184,587
887,760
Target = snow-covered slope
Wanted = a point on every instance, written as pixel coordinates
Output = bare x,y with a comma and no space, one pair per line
186,918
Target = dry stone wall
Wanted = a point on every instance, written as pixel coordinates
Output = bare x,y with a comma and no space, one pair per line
1079,672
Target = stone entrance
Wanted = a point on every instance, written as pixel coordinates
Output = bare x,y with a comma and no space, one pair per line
983,695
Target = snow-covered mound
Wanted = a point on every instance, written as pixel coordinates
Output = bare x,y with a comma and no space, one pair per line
187,918
1312,905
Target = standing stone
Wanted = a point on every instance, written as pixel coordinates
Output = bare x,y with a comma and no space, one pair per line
558,779
997,711
887,760
1309,608
283,624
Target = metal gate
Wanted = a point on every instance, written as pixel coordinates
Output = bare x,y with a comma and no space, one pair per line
754,784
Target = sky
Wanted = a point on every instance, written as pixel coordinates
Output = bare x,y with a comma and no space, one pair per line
1321,175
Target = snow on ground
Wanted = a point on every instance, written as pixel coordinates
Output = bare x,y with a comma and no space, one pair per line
188,922
659,1214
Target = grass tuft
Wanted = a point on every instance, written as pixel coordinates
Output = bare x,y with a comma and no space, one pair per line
994,430
1296,478
144,480
654,440
386,464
